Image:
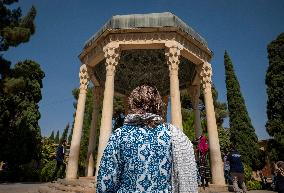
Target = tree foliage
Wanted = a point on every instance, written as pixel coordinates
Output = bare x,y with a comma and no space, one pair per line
119,112
51,137
188,123
241,129
275,103
19,130
65,133
70,135
221,113
14,30
57,137
47,151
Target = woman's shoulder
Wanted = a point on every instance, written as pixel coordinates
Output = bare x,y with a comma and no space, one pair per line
175,130
178,135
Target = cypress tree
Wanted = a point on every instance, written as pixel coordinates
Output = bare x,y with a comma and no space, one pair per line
65,133
56,140
51,137
275,103
241,129
70,136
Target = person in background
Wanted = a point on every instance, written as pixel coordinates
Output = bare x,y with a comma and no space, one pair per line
237,170
279,170
60,164
146,154
226,168
204,170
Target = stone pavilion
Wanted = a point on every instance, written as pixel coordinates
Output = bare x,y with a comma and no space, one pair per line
157,49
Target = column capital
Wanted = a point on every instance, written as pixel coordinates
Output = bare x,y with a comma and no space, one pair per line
84,78
194,93
205,74
112,54
172,53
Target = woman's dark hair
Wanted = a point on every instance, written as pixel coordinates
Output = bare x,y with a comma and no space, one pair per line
145,99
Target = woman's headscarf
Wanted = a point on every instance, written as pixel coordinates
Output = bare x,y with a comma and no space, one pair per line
203,146
145,107
145,99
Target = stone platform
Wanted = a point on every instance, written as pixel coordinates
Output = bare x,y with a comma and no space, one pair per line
87,185
214,189
81,185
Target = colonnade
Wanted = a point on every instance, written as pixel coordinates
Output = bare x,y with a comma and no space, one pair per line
172,54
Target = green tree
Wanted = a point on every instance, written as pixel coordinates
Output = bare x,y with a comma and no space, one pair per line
118,112
51,137
65,133
70,136
47,151
188,123
220,113
20,138
242,132
275,104
57,137
14,30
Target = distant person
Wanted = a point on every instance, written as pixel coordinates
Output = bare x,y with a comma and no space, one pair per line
237,170
146,154
279,170
204,170
226,168
60,163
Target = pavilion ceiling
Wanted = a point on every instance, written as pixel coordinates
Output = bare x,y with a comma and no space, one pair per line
145,66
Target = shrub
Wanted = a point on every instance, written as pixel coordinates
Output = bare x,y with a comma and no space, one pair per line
253,185
48,170
247,173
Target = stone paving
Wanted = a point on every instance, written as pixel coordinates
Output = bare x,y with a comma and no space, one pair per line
19,187
33,187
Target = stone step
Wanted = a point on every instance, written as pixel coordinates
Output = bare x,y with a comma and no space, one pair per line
211,191
214,189
81,185
46,189
82,182
67,188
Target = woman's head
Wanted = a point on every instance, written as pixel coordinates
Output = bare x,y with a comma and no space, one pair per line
145,99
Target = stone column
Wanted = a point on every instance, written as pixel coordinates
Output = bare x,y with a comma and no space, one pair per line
172,53
90,164
112,57
194,93
205,73
72,166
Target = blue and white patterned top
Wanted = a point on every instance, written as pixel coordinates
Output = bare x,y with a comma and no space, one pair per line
137,159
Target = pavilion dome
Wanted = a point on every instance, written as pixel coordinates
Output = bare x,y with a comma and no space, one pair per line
150,20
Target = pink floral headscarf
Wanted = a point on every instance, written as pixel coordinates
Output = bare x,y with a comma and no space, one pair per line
203,145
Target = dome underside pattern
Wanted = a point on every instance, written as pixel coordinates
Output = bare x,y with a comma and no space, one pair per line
137,67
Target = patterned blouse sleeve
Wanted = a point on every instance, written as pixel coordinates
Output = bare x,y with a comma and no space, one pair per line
184,165
109,172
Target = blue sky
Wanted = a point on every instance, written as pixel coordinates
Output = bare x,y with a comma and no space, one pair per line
243,28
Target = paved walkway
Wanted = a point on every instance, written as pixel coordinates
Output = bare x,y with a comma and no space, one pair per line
19,187
32,187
